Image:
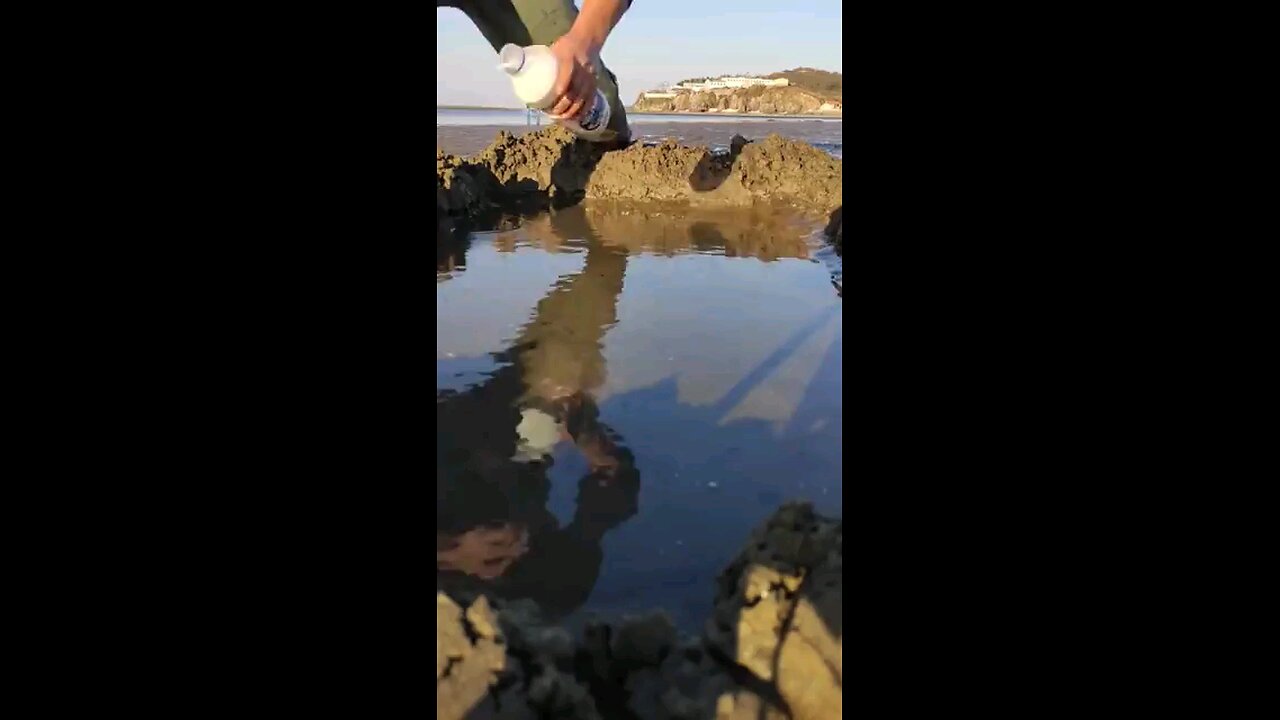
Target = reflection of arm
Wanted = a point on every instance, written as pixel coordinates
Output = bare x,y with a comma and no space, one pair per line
556,356
563,565
608,495
562,345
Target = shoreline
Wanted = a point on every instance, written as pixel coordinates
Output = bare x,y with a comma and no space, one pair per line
633,111
820,116
827,134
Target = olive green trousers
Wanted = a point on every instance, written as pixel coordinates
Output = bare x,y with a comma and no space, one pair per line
538,22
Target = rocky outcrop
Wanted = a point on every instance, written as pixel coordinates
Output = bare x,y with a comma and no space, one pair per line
773,648
767,100
552,166
470,656
778,611
797,172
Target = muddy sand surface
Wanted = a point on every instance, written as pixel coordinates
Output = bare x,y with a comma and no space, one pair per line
551,168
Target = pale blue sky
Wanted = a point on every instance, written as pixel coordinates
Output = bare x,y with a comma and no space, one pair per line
659,41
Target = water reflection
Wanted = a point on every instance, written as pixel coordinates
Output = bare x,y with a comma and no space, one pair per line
494,447
757,231
723,374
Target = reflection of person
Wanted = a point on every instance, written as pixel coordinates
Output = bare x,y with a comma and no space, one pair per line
575,38
493,448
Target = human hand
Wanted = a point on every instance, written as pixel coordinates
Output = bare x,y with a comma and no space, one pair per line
577,56
607,498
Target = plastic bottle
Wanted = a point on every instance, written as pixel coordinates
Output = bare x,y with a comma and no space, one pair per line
533,75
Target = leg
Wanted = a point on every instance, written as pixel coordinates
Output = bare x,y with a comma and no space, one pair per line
541,22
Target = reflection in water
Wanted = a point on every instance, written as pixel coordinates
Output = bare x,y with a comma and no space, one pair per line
494,444
723,374
754,231
451,251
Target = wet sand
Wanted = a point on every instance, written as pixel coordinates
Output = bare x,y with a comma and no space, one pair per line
826,136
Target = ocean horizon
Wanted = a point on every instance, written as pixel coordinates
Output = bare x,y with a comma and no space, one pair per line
454,115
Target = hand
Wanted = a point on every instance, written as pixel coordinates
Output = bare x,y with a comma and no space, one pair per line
575,86
606,498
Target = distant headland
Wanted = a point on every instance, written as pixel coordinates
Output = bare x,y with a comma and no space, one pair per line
802,91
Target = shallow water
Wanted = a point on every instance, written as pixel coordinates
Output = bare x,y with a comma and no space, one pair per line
694,360
517,117
471,135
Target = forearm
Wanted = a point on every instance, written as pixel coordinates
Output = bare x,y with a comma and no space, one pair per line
561,348
596,20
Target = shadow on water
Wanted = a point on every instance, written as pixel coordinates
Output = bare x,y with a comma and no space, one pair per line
662,425
496,535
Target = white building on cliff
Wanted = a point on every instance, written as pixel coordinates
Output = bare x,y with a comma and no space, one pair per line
733,82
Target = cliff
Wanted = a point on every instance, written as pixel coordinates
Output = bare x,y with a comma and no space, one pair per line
767,100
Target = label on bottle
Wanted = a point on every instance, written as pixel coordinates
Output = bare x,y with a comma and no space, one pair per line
593,118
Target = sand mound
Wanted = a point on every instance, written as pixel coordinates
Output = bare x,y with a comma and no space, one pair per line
552,167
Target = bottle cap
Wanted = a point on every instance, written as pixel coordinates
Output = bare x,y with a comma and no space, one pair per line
512,57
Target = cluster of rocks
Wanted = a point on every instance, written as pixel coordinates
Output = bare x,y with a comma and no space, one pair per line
773,647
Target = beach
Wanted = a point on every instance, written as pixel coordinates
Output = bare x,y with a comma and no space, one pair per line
639,361
463,132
